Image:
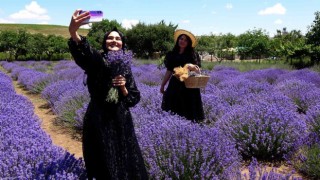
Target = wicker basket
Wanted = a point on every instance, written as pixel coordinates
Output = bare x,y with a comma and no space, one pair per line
196,81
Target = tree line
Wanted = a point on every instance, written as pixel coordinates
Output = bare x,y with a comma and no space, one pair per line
147,39
21,45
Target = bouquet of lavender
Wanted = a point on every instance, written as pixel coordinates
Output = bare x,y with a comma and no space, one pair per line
119,64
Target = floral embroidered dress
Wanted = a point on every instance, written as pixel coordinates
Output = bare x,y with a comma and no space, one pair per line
177,98
110,146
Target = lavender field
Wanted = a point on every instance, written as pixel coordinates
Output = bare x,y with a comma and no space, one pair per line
269,115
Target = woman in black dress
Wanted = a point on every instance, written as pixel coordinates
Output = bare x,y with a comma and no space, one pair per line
110,146
177,98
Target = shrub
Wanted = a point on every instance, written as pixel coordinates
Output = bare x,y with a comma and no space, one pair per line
264,130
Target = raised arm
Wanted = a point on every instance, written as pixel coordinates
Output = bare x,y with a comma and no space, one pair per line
75,23
85,56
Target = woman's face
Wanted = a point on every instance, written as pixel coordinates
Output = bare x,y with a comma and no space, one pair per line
183,41
114,42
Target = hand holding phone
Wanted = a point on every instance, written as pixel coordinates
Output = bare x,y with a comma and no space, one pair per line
95,16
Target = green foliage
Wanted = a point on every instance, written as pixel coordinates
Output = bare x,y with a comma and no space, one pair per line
23,45
113,95
98,30
220,46
308,161
291,45
144,39
254,44
313,38
37,45
55,44
248,65
15,43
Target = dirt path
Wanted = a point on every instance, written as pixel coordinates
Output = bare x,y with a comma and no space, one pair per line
58,134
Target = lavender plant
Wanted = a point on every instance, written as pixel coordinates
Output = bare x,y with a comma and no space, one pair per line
68,104
79,117
174,148
264,130
33,80
313,120
26,151
302,93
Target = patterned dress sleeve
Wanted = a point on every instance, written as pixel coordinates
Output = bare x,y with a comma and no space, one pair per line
133,96
168,61
84,55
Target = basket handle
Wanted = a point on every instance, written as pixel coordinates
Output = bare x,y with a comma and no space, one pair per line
198,68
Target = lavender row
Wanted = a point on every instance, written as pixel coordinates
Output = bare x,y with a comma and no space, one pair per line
61,85
263,113
26,151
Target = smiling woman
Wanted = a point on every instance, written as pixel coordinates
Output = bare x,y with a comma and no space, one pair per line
110,146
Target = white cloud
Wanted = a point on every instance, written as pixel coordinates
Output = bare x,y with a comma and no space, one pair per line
86,26
32,11
278,21
185,21
126,23
229,6
35,8
276,9
5,21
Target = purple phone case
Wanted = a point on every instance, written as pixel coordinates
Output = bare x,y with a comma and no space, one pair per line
95,16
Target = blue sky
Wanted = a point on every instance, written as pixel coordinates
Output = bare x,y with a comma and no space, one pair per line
198,16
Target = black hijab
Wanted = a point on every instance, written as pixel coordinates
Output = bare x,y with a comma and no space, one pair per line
104,43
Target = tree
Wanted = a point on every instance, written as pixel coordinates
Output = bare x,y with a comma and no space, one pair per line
144,39
15,43
98,30
37,45
55,45
290,45
254,43
206,45
228,46
7,42
313,38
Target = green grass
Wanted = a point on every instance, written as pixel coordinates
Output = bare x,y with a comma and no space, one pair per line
43,29
247,65
240,65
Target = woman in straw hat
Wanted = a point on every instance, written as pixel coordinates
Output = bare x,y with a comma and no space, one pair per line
177,98
110,146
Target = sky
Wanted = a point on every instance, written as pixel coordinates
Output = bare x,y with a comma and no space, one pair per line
201,17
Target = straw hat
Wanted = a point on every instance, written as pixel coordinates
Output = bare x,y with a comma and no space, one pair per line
178,32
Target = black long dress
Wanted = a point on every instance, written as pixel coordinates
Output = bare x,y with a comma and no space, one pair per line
177,98
110,146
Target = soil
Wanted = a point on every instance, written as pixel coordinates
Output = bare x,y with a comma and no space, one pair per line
59,135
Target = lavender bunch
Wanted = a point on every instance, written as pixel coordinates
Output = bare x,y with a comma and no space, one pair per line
119,64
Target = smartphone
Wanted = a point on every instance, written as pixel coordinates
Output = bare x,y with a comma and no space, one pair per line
95,16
